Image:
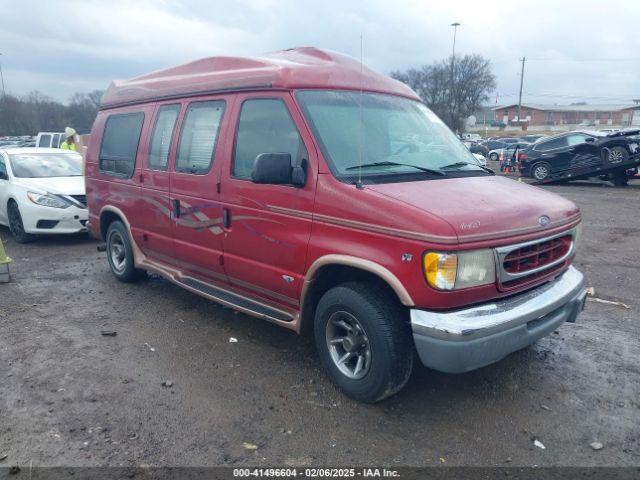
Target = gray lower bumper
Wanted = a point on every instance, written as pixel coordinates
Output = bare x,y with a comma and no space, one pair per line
467,339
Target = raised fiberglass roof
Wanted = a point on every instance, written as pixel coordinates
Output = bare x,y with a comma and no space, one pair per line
305,67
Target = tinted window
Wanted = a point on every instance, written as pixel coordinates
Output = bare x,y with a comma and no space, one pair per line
162,136
198,137
3,167
552,144
46,165
265,126
576,139
120,144
45,141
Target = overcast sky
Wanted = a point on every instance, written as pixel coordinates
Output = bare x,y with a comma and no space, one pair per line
577,50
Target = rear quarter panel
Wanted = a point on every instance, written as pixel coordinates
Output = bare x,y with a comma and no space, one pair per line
106,191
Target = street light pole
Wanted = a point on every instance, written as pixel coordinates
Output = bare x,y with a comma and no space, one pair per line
455,26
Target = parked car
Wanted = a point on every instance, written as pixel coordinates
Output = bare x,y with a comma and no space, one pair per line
41,192
577,155
243,180
510,140
507,151
479,148
532,138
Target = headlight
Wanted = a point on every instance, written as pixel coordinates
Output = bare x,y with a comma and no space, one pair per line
47,200
449,271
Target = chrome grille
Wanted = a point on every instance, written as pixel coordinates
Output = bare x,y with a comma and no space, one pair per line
533,259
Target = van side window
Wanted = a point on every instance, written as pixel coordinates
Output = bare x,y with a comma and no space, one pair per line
120,144
199,136
3,167
45,141
162,136
265,126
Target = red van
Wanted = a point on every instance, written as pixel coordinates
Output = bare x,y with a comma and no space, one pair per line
306,189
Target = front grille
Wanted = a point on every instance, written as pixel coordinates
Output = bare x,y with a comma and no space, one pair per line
525,263
533,257
80,199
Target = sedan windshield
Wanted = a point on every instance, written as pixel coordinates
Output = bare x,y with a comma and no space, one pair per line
43,165
380,137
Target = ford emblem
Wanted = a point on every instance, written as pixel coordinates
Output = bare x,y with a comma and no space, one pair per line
544,220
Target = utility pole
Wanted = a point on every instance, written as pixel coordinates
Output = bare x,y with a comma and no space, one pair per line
2,78
520,95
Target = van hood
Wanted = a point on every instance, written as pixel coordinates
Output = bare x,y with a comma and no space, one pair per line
57,185
485,208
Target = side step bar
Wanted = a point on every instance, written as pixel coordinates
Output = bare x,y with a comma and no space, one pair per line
234,300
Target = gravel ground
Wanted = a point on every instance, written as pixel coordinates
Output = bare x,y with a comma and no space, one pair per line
70,396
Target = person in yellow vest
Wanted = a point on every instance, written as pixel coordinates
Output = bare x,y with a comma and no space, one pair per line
70,140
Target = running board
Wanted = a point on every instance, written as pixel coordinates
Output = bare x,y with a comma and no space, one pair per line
234,300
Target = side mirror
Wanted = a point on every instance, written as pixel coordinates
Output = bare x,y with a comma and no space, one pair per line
590,139
276,169
4,176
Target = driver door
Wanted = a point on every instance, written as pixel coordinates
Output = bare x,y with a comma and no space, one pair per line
267,227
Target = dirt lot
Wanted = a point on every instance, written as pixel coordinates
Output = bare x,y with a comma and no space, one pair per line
70,396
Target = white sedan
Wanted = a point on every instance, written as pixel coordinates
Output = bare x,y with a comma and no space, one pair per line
42,192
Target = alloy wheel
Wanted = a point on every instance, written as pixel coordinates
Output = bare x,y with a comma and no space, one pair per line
348,345
615,156
117,252
540,172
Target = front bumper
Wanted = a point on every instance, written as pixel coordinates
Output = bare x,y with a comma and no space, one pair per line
57,220
464,340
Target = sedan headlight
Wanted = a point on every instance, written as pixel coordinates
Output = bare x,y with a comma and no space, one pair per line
449,271
48,200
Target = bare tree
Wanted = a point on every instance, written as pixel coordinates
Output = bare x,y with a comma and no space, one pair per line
36,112
452,89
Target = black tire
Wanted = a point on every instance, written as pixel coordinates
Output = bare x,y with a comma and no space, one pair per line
387,334
541,171
121,264
493,156
616,155
16,226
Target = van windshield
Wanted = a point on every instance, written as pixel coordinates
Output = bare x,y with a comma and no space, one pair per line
384,137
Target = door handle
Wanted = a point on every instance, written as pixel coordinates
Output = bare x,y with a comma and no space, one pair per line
176,208
226,218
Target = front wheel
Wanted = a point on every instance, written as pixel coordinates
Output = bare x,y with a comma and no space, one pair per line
120,253
541,171
17,226
364,341
617,155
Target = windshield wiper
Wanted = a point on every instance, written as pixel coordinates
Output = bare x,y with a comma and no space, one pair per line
386,163
462,164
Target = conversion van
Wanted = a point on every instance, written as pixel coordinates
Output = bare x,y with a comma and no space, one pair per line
305,189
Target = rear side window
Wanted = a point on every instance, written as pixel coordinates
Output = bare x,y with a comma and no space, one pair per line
552,144
120,144
162,136
265,126
199,136
3,167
